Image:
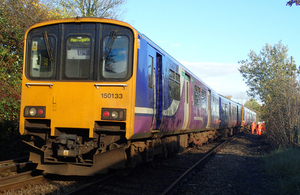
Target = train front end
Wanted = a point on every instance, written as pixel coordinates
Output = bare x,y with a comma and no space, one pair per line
77,94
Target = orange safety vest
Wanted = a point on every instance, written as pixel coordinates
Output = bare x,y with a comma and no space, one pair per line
253,126
259,129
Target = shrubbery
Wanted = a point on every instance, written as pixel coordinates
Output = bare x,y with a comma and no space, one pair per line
272,77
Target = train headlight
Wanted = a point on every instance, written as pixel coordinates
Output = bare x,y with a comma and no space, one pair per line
32,111
113,114
35,111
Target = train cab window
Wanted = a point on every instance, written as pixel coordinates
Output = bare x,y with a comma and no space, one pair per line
115,57
150,71
42,56
78,57
203,99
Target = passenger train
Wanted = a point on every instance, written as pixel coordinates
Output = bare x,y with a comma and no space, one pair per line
98,95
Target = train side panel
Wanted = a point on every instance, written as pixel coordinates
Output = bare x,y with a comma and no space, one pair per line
168,98
155,111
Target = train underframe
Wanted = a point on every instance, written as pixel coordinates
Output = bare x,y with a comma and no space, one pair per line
72,152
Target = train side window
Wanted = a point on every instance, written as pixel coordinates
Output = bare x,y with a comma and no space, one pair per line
41,64
203,99
78,57
215,104
150,72
197,96
174,85
115,57
234,111
223,109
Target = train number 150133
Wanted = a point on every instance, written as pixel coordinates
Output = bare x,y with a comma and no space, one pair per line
112,95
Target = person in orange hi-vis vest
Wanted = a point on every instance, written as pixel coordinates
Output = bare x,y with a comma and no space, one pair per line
258,132
253,127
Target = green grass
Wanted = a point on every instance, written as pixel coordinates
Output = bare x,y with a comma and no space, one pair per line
284,166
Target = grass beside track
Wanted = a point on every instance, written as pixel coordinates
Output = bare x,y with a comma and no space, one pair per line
283,166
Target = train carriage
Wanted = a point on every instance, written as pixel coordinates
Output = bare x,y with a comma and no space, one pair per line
249,116
99,95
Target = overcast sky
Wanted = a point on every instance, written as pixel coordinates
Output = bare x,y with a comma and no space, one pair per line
210,37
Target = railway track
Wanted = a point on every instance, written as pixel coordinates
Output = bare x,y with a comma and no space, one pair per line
163,179
18,173
16,165
188,173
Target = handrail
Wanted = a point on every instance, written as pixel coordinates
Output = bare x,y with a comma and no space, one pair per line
111,85
39,84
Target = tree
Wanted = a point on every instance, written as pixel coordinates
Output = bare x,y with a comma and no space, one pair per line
253,105
291,2
16,16
92,8
273,79
263,71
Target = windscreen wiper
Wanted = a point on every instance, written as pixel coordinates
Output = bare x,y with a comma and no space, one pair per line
45,35
110,42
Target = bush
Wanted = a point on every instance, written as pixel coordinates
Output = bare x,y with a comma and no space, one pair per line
273,78
10,82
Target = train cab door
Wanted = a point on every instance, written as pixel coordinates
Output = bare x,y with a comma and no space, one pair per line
159,91
156,92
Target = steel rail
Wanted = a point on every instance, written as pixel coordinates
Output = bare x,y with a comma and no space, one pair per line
19,181
13,161
174,185
16,167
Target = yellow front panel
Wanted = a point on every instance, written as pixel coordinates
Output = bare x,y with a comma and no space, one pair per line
77,104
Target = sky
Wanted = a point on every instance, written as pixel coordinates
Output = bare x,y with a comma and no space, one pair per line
210,37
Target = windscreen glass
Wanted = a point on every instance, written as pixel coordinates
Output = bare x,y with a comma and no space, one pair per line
42,58
87,51
115,57
78,57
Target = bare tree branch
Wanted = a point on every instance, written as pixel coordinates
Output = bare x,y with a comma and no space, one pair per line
112,9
